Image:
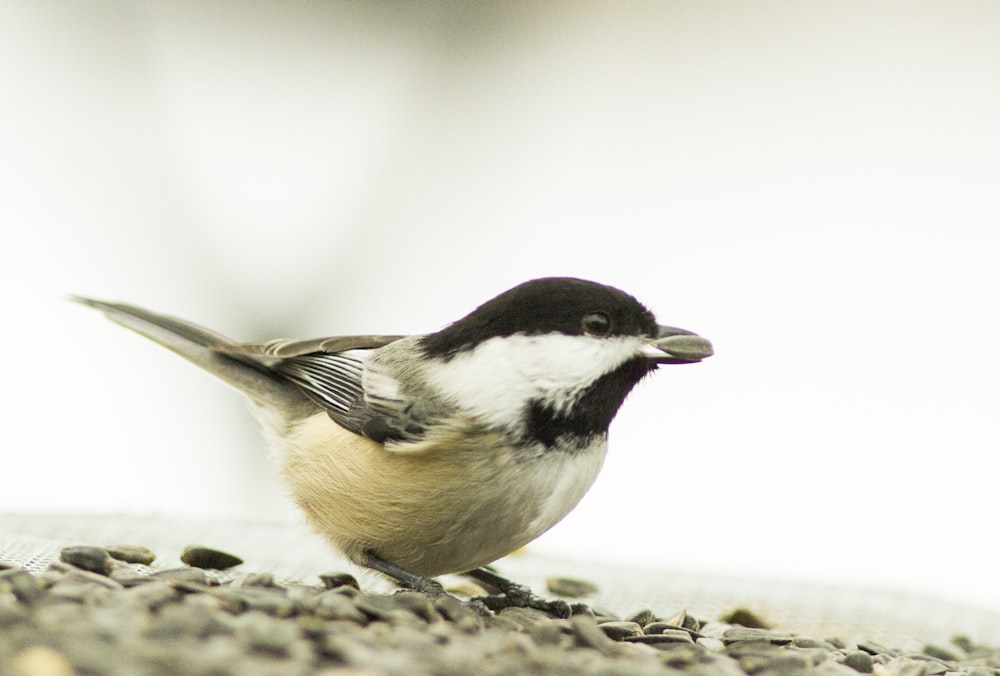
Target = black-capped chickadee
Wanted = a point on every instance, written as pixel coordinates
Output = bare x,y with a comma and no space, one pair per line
440,453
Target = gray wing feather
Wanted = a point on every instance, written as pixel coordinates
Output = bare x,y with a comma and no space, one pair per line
204,348
284,348
357,394
332,373
328,371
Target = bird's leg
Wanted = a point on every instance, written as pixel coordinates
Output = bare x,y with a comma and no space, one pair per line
508,594
420,583
424,585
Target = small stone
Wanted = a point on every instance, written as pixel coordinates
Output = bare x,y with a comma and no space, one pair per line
193,575
40,660
669,636
549,634
684,621
740,634
860,661
376,606
254,580
641,617
713,644
660,627
334,580
154,595
268,600
908,666
932,667
333,606
131,554
746,618
980,671
617,631
206,557
680,656
86,557
939,653
963,642
504,624
77,591
782,662
831,668
451,608
21,584
590,636
806,642
266,634
873,648
525,617
714,629
185,621
570,587
127,577
70,571
417,604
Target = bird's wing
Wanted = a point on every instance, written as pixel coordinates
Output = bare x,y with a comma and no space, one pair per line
284,348
336,374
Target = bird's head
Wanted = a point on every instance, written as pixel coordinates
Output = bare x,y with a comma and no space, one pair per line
554,356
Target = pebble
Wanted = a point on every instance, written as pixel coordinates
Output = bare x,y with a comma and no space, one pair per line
40,660
684,621
589,635
570,587
86,557
641,617
940,653
180,575
334,580
659,627
674,636
69,620
21,584
711,643
745,618
617,631
746,634
873,648
524,617
860,661
71,571
206,557
131,554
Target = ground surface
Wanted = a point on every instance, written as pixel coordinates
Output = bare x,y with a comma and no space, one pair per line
100,615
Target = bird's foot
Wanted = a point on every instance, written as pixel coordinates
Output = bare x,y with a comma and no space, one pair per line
509,594
430,587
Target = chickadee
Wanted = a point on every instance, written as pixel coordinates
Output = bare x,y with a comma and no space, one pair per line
423,455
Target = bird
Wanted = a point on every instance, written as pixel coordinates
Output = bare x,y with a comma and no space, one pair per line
421,455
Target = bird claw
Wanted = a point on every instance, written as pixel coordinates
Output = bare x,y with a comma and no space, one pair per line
522,597
427,586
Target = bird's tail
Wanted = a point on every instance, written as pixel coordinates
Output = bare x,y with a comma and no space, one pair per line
252,377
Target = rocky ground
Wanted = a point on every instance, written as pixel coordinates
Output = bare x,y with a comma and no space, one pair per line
101,611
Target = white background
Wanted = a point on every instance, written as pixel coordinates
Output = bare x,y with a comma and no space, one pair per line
812,186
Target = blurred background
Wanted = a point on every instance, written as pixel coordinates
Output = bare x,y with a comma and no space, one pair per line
813,186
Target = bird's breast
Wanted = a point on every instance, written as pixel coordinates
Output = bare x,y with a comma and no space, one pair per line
449,507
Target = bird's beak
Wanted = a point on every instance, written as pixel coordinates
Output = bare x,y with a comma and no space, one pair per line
676,346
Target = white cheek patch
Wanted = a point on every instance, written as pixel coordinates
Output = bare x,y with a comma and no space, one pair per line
495,380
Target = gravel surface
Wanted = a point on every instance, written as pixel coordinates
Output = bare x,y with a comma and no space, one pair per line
92,612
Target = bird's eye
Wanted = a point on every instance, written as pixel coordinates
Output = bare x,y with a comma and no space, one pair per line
596,323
